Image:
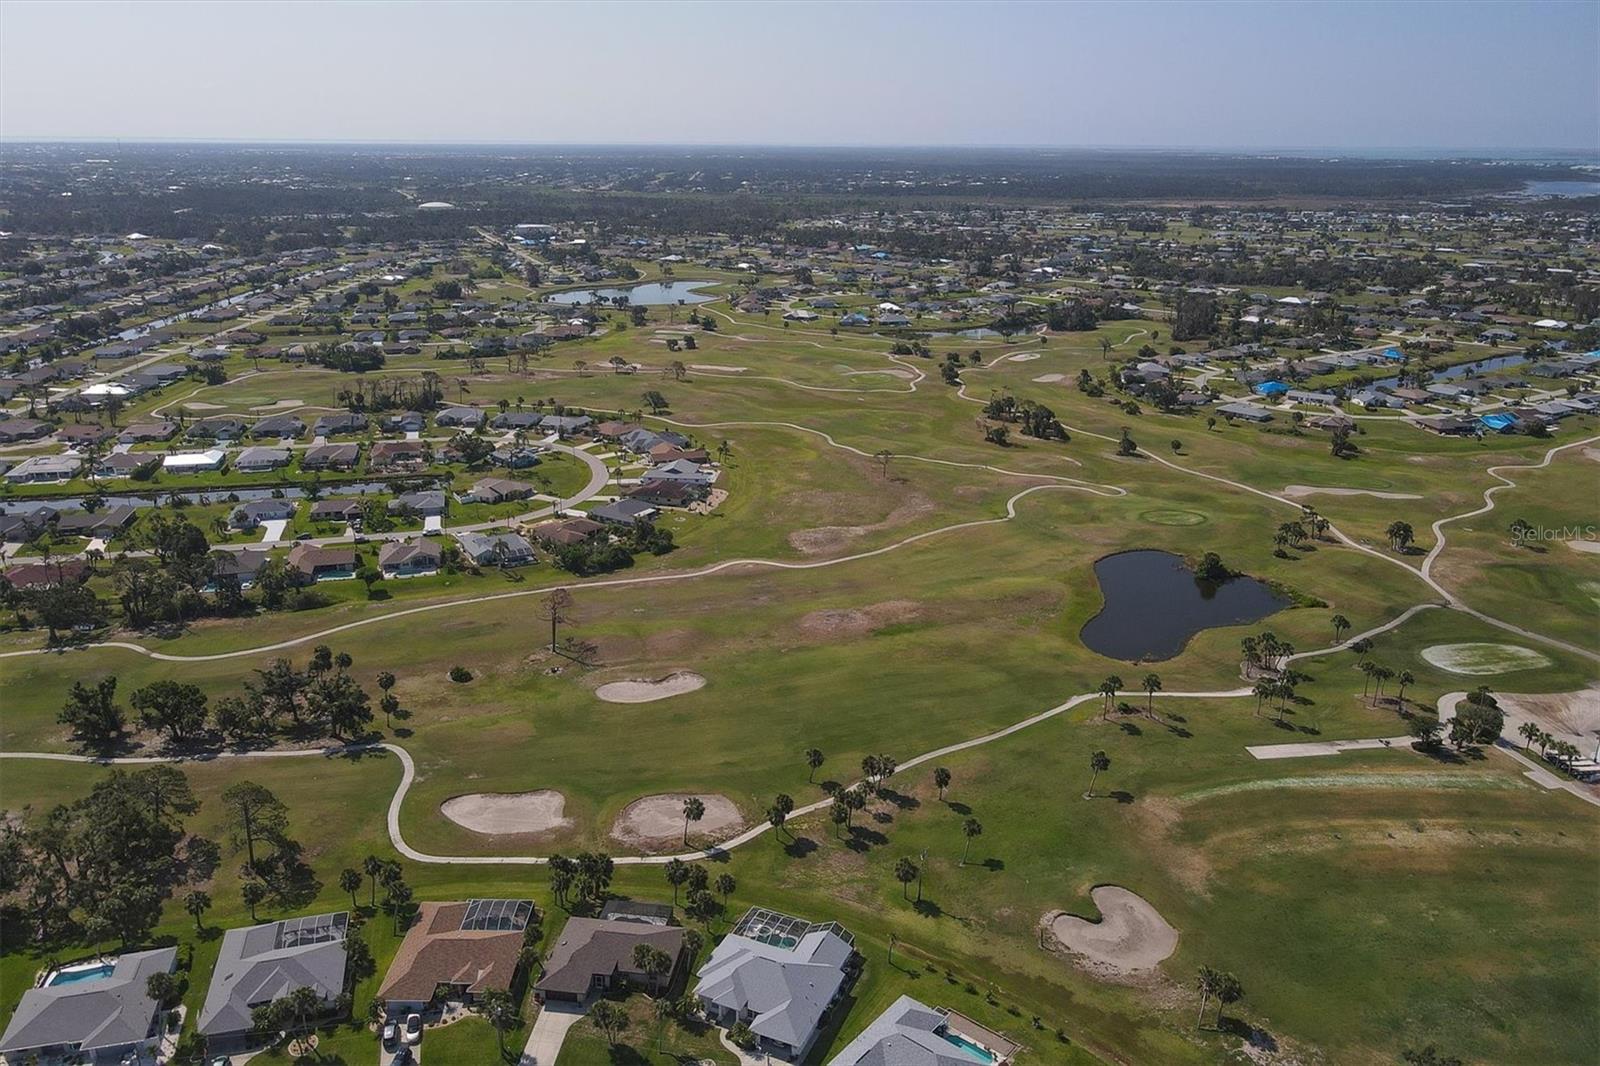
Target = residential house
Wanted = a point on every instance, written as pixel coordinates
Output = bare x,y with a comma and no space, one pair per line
427,503
148,432
242,566
342,509
250,515
911,1033
18,430
256,460
516,420
97,1013
344,422
260,964
409,558
124,464
47,575
1247,411
311,563
666,493
498,490
331,457
566,532
84,434
221,427
459,417
456,952
394,454
624,512
500,549
778,975
595,955
282,427
194,462
565,425
682,470
514,457
45,468
406,422
106,522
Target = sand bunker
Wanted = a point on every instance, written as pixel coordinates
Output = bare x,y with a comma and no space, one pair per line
1049,379
1131,935
1588,547
654,821
894,372
201,405
278,405
508,812
1480,659
1023,357
1297,491
674,684
1569,714
714,366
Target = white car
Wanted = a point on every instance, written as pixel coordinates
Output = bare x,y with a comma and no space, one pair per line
411,1032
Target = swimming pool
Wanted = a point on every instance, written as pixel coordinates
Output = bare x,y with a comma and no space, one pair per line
85,972
977,1051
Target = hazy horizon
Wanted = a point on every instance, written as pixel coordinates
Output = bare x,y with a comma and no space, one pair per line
1444,79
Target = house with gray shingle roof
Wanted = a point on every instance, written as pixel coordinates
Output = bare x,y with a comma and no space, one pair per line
910,1033
102,1018
779,976
263,963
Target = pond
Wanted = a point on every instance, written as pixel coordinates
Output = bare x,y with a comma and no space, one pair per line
1465,370
1154,604
650,294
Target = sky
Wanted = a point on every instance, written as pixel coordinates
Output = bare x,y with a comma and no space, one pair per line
1477,75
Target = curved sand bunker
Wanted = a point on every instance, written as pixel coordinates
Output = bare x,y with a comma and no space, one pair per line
1297,491
500,813
674,684
654,821
1588,547
1131,935
1480,659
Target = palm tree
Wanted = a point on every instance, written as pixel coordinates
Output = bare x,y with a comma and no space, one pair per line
969,829
1367,668
372,866
725,886
813,761
1340,624
1209,982
776,816
1152,685
1380,675
694,809
1263,690
197,903
253,893
1406,679
941,779
1108,689
905,871
350,880
1530,733
1097,762
676,872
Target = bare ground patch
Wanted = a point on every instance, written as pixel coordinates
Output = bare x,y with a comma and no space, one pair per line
1296,492
656,822
858,621
822,540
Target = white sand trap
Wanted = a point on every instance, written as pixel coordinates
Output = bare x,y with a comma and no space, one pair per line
279,405
714,366
1130,936
1297,491
893,372
674,684
1049,379
1588,547
1023,357
508,812
201,405
657,820
1481,659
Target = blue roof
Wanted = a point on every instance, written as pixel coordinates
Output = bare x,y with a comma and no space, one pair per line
1392,353
1272,388
1498,421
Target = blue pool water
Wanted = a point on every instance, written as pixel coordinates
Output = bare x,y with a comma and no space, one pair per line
89,973
978,1053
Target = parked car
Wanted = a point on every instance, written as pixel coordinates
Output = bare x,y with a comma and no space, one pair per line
403,1057
391,1035
413,1029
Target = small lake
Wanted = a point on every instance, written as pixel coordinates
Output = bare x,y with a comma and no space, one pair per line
650,294
1464,370
1564,190
1154,605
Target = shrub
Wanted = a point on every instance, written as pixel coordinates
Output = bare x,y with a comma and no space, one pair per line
460,675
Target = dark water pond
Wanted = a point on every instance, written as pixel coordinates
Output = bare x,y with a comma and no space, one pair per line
1154,604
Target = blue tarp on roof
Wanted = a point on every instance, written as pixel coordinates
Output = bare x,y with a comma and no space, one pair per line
1498,422
1393,353
1272,388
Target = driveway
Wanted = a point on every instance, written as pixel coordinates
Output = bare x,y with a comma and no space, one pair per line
272,530
549,1033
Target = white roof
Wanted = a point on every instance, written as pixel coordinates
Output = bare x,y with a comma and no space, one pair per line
211,457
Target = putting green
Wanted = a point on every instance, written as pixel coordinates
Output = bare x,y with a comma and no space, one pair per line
1483,658
1172,516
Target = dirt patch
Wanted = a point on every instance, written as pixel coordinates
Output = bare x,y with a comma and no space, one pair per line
499,813
635,691
1483,659
655,822
1049,379
858,621
826,539
1130,937
1296,492
1563,712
